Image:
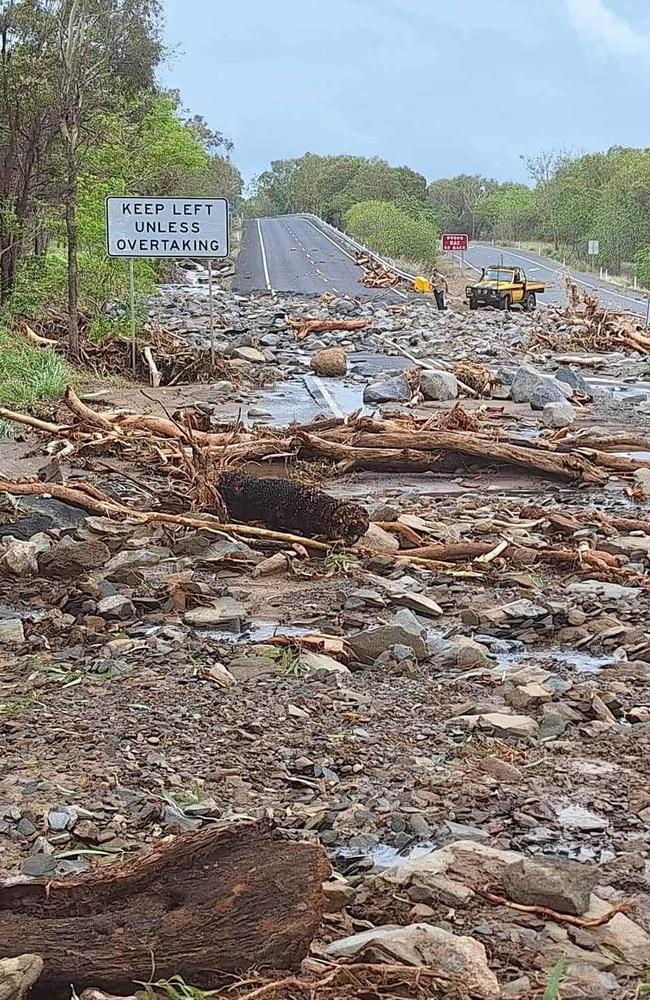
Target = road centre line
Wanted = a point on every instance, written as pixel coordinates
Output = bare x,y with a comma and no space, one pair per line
338,246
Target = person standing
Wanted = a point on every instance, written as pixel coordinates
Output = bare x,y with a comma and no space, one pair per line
440,288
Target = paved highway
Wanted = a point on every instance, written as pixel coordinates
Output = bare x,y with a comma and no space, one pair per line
543,269
291,254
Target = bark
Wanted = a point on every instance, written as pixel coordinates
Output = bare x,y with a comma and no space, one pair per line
573,466
385,459
304,327
74,340
198,906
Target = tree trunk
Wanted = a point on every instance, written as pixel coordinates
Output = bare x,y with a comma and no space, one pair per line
74,341
213,902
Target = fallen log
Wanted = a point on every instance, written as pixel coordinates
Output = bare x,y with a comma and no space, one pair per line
304,327
197,906
33,422
385,459
568,466
85,413
465,551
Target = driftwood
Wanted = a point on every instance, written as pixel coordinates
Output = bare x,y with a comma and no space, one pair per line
304,327
386,459
216,901
562,918
463,551
154,374
573,466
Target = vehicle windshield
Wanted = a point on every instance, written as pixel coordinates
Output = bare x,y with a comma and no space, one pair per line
497,274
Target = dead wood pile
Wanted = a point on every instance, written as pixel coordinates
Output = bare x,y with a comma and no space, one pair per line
213,902
376,275
588,325
304,325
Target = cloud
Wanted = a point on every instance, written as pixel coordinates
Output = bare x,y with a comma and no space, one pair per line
595,22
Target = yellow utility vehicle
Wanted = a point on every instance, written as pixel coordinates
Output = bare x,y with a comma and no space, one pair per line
502,287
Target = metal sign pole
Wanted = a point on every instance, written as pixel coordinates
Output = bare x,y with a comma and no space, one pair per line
134,345
211,308
647,315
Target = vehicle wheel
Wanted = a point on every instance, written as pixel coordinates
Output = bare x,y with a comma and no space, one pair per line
506,302
473,304
530,303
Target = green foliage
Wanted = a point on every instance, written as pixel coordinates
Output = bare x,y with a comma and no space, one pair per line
642,259
509,210
177,989
29,374
386,228
330,185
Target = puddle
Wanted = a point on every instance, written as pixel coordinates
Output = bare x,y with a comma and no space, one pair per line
24,614
257,632
582,662
384,856
643,456
620,388
302,399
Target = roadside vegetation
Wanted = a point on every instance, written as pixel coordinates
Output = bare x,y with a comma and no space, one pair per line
569,200
97,123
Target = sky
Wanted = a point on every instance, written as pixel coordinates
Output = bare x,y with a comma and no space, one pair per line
443,86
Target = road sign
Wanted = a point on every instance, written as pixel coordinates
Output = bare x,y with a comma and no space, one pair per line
458,242
593,248
167,227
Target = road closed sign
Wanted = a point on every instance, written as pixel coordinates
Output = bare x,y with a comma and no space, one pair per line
455,242
167,227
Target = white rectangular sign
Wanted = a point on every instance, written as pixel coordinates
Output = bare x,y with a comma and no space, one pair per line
594,248
167,227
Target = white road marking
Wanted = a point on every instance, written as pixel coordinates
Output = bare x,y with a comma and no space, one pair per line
402,295
264,261
563,273
328,397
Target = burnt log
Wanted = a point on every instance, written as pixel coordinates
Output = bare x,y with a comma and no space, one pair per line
287,506
218,901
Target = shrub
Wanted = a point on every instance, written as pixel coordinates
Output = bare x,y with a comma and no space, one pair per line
390,231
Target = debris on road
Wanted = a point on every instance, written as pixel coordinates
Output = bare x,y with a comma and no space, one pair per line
375,274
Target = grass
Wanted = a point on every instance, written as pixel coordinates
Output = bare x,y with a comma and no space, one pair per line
552,991
340,564
289,660
177,989
29,374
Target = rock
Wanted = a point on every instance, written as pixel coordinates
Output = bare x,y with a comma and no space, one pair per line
547,393
379,540
338,894
330,362
438,385
573,379
527,696
39,864
225,612
527,380
116,608
431,888
419,603
462,831
312,662
403,630
598,588
560,414
294,712
469,862
461,958
620,934
12,632
501,770
249,354
511,725
564,886
510,991
129,559
69,559
221,675
61,819
523,609
21,557
18,975
576,817
393,390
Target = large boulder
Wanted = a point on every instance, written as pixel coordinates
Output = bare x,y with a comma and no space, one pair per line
439,385
527,381
558,414
392,390
69,559
564,886
330,362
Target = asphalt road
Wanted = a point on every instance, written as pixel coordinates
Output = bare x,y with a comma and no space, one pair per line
290,254
543,269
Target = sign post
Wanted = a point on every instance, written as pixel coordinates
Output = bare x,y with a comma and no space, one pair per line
456,243
195,228
593,249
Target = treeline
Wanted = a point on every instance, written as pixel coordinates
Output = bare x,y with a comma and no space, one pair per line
386,207
569,201
81,117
